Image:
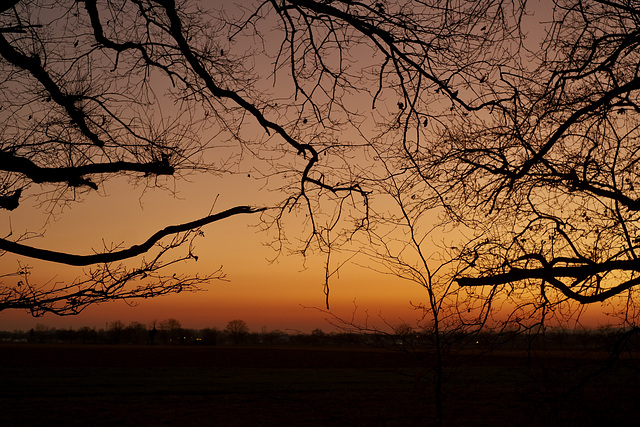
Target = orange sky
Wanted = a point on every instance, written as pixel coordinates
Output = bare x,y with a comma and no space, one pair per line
286,294
264,294
270,295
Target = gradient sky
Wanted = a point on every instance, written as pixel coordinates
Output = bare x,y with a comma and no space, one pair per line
265,293
285,294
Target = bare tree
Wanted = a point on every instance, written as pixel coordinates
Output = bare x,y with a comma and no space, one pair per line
170,331
237,330
405,246
517,131
83,85
520,135
547,178
78,84
517,126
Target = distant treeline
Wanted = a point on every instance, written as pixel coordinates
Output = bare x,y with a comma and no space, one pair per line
171,332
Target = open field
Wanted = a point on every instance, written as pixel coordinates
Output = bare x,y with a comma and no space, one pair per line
254,386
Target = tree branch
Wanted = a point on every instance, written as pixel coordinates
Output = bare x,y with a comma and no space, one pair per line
34,66
74,174
552,275
83,260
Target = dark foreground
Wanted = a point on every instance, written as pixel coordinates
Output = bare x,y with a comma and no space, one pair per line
227,386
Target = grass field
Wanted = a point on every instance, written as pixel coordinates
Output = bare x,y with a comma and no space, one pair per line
275,386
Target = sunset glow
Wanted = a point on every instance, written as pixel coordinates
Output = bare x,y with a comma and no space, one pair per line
345,164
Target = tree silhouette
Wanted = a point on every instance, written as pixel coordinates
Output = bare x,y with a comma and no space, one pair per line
170,331
517,129
502,158
237,330
83,88
545,178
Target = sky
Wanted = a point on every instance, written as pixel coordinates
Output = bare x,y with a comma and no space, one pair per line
267,289
285,293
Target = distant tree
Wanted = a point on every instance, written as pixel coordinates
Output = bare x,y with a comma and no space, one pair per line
87,335
41,333
403,331
115,332
515,126
66,336
135,333
272,337
237,330
317,336
170,331
209,336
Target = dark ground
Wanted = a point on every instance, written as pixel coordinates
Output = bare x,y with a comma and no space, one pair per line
277,386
